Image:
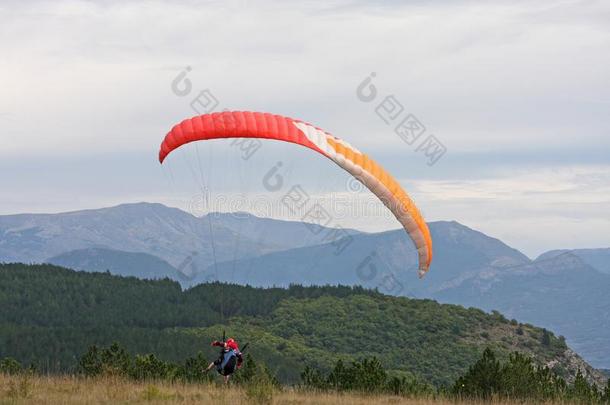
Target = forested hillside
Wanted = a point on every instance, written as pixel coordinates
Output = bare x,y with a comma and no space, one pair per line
50,315
470,268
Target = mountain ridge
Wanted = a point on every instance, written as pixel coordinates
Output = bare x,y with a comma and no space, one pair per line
165,232
469,267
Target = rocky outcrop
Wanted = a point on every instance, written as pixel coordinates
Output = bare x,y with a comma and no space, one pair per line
569,364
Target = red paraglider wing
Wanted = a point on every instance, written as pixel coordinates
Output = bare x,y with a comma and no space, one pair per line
241,124
234,124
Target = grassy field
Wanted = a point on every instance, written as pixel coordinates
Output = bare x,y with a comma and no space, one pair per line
24,389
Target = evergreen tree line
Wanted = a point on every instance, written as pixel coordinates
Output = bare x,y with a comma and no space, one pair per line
518,378
521,378
115,361
367,375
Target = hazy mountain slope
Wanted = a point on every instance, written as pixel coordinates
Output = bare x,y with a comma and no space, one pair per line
373,259
141,265
279,234
561,293
599,259
167,233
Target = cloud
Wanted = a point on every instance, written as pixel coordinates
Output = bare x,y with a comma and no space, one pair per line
516,91
481,76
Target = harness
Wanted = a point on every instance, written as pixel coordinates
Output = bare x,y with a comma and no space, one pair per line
228,362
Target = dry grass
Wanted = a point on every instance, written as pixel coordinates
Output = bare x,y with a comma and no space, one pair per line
109,390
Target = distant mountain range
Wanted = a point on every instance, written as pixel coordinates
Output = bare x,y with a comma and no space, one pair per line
563,290
182,240
140,265
599,259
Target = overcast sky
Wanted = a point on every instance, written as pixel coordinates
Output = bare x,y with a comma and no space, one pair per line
518,92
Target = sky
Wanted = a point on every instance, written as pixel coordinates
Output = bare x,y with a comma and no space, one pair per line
516,94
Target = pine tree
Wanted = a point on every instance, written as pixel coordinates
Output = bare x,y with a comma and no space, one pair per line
546,338
482,380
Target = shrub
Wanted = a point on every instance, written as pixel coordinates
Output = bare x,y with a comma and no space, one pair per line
261,387
546,338
90,363
409,387
111,361
10,366
193,369
313,378
149,367
606,393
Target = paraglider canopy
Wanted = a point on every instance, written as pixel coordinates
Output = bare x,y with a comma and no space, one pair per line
246,124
